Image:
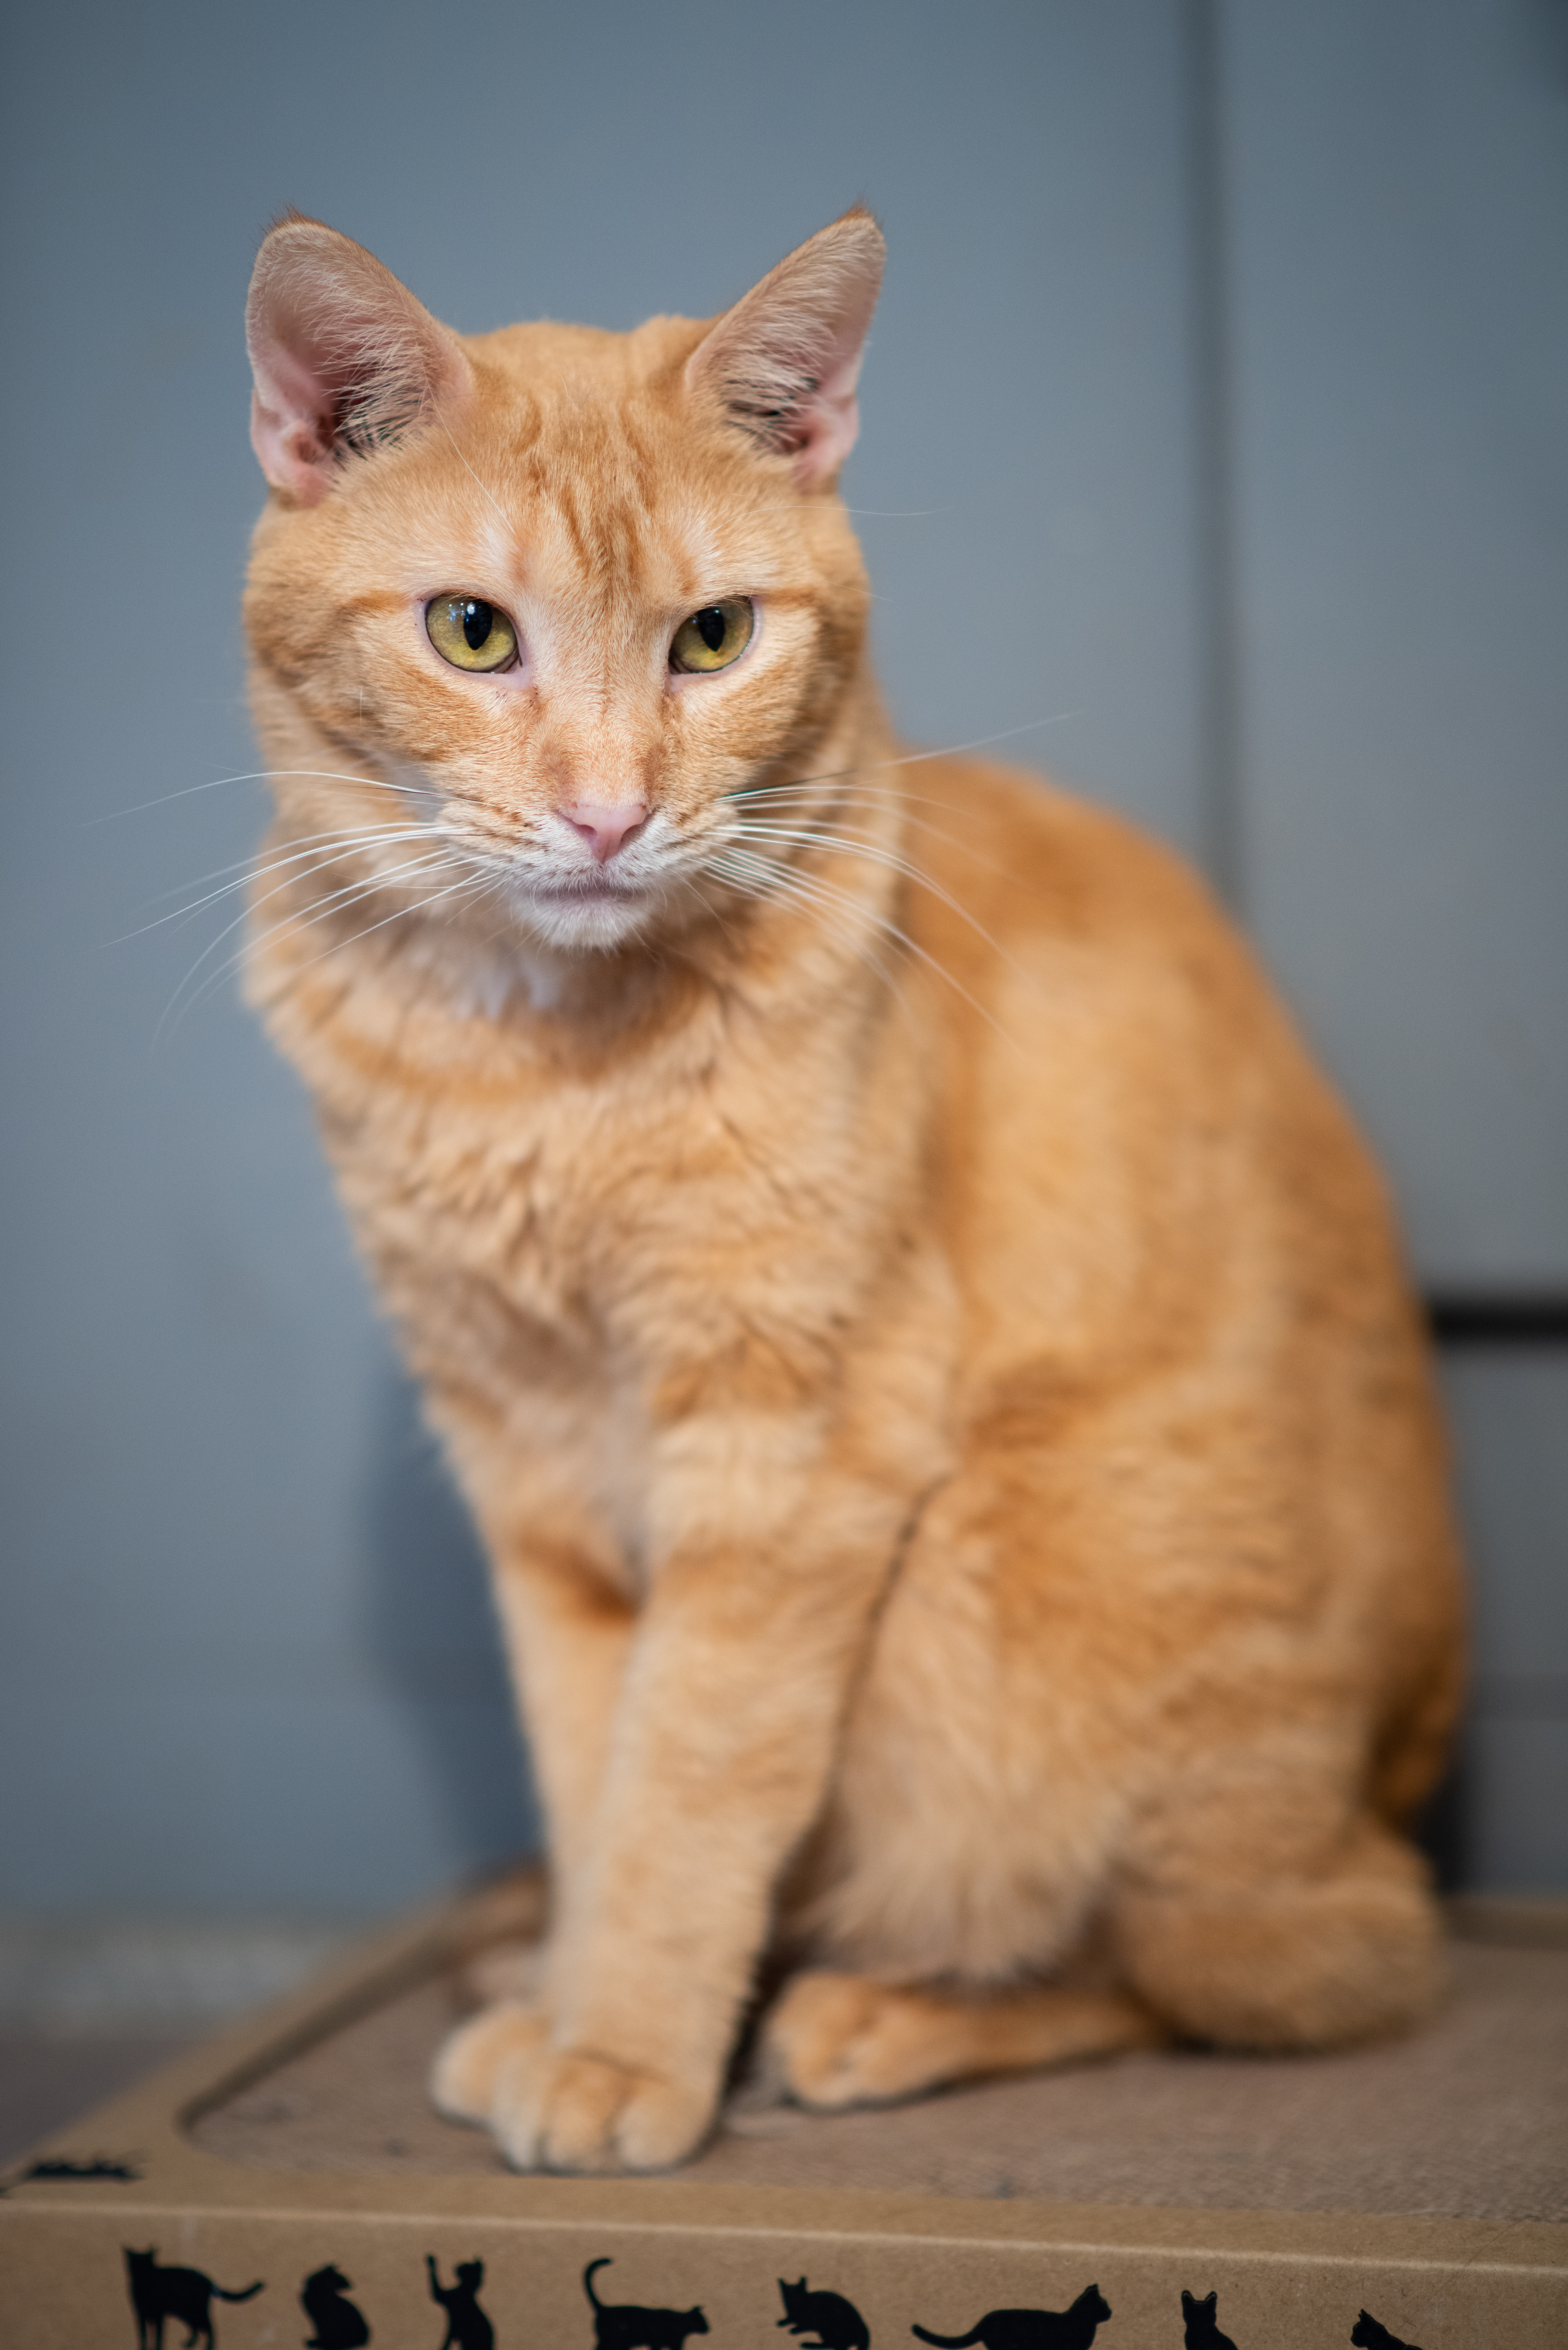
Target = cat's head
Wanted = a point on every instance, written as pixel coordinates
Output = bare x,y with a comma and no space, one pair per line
695,2322
1092,2304
560,594
1191,2308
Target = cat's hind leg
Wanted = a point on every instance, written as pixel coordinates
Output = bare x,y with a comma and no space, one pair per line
1346,1950
836,2039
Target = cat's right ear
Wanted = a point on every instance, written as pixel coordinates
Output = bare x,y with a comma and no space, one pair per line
344,357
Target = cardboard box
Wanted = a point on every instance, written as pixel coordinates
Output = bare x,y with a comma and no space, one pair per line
1424,2182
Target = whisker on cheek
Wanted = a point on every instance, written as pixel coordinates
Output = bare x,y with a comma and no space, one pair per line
788,878
834,844
762,880
353,893
248,953
879,800
912,758
311,858
260,775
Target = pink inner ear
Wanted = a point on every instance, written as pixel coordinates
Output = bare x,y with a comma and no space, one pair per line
329,329
784,361
292,417
829,421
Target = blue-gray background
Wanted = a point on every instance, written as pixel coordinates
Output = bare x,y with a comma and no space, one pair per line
1214,426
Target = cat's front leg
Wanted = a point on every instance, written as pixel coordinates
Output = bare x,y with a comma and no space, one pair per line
733,1695
566,1617
568,1634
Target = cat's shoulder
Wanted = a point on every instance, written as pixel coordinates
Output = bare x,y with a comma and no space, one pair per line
1050,877
1060,857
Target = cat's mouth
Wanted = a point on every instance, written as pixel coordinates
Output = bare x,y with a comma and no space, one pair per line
594,888
585,910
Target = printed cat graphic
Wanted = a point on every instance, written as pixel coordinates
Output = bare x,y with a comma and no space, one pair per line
337,2324
183,2294
623,2325
1202,2328
837,2323
1368,2334
1030,2329
467,2327
928,1355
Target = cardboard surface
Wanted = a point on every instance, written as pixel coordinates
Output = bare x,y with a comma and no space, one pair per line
200,2177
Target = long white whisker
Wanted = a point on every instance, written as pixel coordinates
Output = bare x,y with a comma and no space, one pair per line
472,882
845,803
915,758
879,799
259,776
765,880
771,877
875,853
253,947
830,894
315,857
324,906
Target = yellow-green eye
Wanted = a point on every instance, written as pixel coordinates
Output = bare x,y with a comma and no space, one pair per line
470,633
714,636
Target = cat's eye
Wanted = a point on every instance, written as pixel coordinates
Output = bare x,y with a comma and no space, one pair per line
714,636
471,633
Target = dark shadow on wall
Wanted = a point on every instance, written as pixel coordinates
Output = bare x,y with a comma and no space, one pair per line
1546,33
1442,1827
432,1635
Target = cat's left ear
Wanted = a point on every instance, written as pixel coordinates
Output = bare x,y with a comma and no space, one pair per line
782,363
344,357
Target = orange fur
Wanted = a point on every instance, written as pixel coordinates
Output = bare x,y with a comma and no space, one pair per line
926,1350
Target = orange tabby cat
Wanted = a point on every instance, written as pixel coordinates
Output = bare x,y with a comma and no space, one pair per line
926,1352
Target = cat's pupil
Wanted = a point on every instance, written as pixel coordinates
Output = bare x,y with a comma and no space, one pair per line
477,622
709,625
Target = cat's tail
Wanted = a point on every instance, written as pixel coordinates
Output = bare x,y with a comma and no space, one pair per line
249,2294
949,2341
603,2262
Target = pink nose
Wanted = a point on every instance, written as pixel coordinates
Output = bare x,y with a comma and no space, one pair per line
606,829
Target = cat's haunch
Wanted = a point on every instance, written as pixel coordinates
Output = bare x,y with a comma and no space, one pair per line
927,1351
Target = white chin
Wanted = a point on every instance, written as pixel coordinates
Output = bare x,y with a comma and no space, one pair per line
584,923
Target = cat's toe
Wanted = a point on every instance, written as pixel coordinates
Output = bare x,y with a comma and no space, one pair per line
554,2109
471,2059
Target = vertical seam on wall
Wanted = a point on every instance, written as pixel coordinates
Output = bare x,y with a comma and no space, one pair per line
1221,801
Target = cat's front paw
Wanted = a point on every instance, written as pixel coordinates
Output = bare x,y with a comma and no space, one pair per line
471,2060
559,2109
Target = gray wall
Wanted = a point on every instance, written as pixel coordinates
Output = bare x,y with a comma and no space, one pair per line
1396,226
1213,434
